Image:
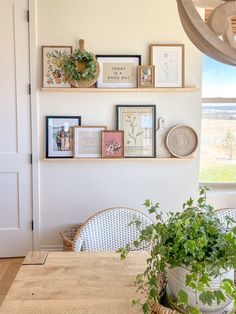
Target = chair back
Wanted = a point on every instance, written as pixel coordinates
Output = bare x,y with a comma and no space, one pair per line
223,212
109,230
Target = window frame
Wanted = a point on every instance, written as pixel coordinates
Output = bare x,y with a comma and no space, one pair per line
218,185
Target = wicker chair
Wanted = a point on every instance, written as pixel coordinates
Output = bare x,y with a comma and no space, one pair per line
109,230
223,212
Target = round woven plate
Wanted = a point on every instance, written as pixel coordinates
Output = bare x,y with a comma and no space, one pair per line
182,141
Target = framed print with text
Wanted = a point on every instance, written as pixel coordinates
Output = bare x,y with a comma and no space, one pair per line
139,125
59,135
118,71
169,64
88,141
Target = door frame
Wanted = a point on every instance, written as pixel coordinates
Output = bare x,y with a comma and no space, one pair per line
34,124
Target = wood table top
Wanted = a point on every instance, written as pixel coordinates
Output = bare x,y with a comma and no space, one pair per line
76,283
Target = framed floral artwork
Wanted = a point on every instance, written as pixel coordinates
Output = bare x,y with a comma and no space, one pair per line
88,141
59,135
52,66
112,144
118,71
139,125
169,64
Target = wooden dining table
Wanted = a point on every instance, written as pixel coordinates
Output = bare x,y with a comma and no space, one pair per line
75,283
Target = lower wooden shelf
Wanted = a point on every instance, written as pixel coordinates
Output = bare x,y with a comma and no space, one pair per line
170,159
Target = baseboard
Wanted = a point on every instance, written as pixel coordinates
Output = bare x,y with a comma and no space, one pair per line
52,248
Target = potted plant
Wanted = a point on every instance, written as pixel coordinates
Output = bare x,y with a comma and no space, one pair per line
197,253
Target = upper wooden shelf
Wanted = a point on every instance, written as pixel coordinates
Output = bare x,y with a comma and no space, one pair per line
156,159
122,90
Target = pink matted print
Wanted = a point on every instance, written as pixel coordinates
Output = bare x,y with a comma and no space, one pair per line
112,144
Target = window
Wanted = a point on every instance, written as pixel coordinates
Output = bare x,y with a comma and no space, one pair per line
218,138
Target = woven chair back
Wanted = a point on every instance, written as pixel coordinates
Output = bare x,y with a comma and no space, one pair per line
110,230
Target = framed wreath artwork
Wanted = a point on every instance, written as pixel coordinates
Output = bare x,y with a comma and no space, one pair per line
59,135
53,75
112,144
139,125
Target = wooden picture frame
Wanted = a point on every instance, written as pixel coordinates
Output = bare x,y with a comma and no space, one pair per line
118,71
139,125
52,61
169,64
88,141
146,76
112,144
59,135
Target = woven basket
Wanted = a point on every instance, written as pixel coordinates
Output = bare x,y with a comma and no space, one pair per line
68,236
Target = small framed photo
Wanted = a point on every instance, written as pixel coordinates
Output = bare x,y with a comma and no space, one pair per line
112,144
118,71
59,135
169,64
139,125
52,66
146,76
88,141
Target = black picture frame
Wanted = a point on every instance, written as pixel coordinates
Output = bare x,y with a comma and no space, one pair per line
56,148
136,123
116,71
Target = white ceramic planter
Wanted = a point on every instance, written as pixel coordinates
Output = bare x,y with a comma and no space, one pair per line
176,282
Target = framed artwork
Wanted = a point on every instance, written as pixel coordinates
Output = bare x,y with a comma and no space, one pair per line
146,76
59,135
139,125
52,66
169,65
88,141
112,144
118,71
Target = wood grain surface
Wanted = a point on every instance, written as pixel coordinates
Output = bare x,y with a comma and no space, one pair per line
76,283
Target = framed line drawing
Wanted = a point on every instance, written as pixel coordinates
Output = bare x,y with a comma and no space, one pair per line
139,125
118,71
169,64
112,144
88,141
59,135
52,66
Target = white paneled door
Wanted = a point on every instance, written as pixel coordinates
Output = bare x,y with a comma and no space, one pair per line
15,133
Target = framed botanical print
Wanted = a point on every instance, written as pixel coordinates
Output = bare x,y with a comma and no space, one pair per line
169,64
52,66
139,125
59,135
112,144
88,141
118,71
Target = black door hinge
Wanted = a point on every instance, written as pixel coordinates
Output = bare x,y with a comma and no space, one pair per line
32,225
28,16
31,158
29,87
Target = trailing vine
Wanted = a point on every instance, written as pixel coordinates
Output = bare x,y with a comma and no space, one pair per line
81,65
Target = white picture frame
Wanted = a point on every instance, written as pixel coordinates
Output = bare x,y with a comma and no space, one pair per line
88,141
169,64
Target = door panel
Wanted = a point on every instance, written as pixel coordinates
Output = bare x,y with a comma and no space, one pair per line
15,140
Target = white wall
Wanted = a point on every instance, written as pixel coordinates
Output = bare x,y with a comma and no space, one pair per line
71,191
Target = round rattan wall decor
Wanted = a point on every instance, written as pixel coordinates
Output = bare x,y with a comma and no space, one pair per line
81,68
182,141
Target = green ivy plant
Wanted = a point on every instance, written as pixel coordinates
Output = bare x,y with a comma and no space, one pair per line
70,66
194,238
